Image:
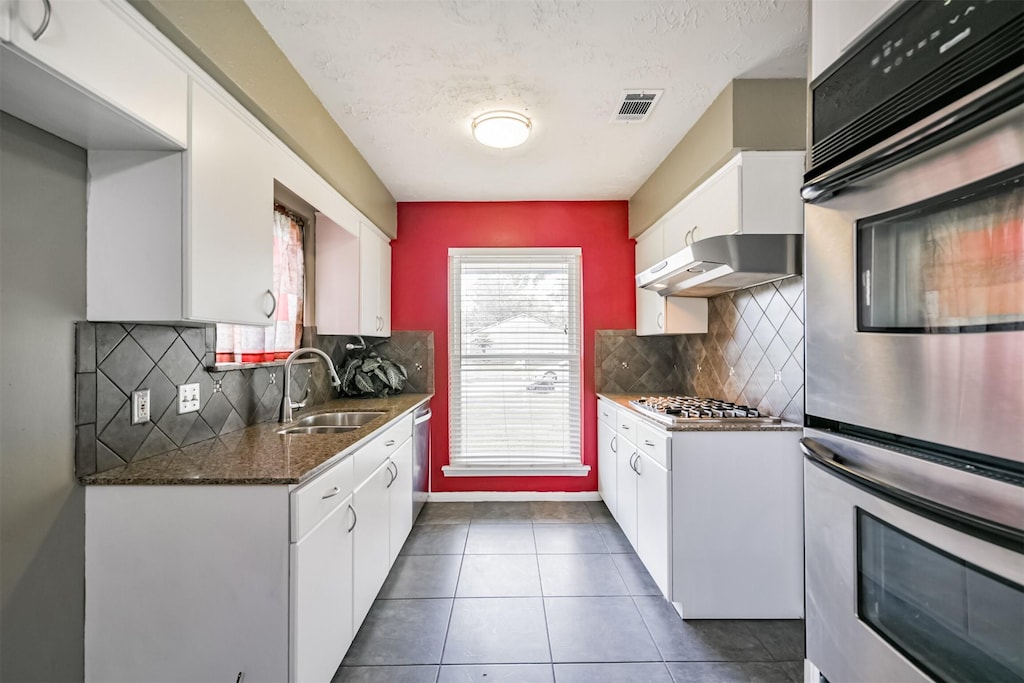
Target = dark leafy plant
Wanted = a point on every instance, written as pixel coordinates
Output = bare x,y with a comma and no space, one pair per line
369,373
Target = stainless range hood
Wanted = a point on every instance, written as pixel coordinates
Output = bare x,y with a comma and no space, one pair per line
721,264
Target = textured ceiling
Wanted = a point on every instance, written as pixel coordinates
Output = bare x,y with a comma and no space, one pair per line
404,79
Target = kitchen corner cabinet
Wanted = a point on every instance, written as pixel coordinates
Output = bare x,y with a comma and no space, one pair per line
266,584
353,279
88,74
184,236
754,192
657,314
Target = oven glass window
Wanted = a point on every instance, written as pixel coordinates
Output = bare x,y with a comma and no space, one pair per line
953,264
955,621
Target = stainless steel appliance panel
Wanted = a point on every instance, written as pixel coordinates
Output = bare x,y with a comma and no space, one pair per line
840,641
959,390
420,459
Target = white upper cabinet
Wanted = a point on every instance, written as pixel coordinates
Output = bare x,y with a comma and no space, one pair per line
657,314
230,246
86,73
353,279
755,192
837,24
184,236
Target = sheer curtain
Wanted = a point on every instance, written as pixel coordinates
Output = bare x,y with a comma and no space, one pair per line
252,344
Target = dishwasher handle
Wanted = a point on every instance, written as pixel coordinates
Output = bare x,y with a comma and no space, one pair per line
425,417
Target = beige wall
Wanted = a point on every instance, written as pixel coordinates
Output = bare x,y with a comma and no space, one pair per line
42,507
749,114
227,41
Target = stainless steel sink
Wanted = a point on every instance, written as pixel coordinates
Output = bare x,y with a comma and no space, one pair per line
337,419
318,429
330,423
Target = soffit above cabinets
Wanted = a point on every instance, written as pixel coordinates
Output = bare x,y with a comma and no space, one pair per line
405,79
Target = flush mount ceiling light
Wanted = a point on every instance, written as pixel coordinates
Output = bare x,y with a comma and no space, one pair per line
501,129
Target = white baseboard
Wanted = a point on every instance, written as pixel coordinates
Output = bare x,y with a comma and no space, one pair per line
488,496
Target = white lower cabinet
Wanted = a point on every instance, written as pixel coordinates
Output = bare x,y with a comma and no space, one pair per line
716,517
401,499
654,503
606,465
321,603
372,503
265,584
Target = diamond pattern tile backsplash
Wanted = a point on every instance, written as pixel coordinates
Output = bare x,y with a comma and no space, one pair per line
751,354
115,359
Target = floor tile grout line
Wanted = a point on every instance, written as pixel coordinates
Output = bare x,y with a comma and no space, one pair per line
544,608
649,631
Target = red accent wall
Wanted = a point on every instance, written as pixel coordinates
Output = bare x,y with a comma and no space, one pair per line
419,290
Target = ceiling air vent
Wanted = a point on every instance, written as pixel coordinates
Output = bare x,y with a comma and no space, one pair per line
636,105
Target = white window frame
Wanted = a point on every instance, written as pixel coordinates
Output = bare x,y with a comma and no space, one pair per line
455,364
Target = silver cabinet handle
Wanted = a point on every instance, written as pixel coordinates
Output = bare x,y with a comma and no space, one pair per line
331,494
394,475
694,234
626,427
389,443
615,444
648,443
273,307
661,317
355,518
636,464
632,462
38,33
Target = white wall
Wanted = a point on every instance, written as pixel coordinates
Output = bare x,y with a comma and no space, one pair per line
42,514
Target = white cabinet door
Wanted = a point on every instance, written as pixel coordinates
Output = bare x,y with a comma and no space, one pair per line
230,241
657,314
714,208
321,597
96,47
606,465
371,503
653,515
625,491
649,247
374,283
401,499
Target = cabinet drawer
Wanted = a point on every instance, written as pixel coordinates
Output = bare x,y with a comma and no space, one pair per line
625,425
370,456
607,413
655,443
315,499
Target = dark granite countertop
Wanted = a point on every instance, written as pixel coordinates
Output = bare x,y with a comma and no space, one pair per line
258,454
624,399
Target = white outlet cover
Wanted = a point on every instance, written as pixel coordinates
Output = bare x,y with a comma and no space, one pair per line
188,398
140,406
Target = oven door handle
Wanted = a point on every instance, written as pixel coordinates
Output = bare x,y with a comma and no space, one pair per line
832,462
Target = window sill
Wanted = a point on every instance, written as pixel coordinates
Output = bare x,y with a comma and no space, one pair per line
223,367
564,471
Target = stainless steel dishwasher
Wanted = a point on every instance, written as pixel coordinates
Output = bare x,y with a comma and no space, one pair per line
420,458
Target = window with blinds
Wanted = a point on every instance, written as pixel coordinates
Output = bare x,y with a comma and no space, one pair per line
515,357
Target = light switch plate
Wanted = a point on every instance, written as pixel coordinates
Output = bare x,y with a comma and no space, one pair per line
188,398
140,406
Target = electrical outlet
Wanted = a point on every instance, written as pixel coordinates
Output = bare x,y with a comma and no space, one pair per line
188,398
140,406
778,376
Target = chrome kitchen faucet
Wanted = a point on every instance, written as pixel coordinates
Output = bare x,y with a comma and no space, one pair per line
287,405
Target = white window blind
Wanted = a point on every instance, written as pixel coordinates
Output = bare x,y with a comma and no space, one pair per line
514,350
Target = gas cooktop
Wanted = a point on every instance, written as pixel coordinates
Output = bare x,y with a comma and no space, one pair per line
677,410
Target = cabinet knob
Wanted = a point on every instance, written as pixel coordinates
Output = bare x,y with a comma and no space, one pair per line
38,33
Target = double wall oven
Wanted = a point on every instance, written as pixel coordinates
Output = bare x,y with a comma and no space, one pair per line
914,468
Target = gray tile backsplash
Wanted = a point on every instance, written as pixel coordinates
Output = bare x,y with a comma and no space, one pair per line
113,359
751,354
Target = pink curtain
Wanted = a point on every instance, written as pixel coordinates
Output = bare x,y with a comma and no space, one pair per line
252,344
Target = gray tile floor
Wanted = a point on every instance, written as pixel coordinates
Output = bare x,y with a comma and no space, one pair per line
524,592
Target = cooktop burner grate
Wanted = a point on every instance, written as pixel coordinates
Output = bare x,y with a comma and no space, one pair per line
689,409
